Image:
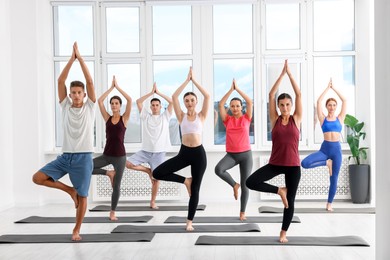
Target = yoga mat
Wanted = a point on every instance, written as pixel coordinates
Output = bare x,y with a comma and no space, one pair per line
145,208
292,241
267,209
86,238
42,220
182,229
224,219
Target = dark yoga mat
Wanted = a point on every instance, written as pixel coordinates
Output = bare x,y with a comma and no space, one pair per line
182,229
145,208
267,209
42,220
86,238
224,219
292,241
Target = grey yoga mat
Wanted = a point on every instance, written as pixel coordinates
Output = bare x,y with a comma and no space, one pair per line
145,208
42,220
268,209
225,219
182,229
292,241
86,238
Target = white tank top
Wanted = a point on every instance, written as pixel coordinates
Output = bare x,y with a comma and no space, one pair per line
191,127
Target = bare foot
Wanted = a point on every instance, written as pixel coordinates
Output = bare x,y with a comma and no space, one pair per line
235,190
329,164
189,226
283,195
283,237
76,236
111,175
75,198
188,182
242,216
153,205
112,216
329,207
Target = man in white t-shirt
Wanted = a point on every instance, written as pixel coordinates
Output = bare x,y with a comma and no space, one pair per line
155,138
78,123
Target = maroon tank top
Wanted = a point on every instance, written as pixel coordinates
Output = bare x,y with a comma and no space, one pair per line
115,136
285,140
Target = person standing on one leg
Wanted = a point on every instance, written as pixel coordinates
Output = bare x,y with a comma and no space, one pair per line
191,151
330,152
238,148
284,155
114,151
155,138
78,123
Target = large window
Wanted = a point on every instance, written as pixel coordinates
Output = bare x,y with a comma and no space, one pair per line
233,58
157,41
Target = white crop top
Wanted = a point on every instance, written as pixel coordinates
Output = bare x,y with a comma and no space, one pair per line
191,127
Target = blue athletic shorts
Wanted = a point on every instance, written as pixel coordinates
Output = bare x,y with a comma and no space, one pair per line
153,159
78,165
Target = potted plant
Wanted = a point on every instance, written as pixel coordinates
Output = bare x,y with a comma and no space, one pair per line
359,173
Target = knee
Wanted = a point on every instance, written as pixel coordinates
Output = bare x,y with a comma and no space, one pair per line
156,174
249,184
37,178
305,164
129,165
218,171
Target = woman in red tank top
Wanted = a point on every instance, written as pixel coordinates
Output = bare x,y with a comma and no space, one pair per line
284,156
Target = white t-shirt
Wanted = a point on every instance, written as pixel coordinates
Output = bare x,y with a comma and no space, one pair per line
78,124
155,131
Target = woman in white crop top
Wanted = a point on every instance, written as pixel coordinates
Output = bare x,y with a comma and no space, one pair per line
191,151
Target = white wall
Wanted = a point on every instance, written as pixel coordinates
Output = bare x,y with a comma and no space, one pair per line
6,106
382,94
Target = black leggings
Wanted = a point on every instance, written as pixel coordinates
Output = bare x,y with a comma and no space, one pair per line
187,156
292,175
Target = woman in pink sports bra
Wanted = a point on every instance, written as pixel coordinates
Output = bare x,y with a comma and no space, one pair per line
330,152
191,151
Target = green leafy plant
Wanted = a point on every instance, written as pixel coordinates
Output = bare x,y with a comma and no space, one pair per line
354,134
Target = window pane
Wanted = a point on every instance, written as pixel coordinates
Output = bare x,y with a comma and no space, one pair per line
169,75
128,77
122,29
282,26
232,26
224,72
75,73
342,72
74,23
334,25
273,72
172,30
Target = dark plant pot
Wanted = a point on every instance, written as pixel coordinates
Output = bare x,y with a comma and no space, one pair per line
359,182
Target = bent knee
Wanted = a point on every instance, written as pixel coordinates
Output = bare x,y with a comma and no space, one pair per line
39,177
305,164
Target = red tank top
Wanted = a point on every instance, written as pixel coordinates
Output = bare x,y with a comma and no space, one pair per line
285,140
115,136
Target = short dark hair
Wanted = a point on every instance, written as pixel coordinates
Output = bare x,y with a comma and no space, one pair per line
155,99
77,83
236,98
190,93
116,97
283,96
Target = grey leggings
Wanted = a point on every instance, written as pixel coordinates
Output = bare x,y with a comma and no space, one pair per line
119,163
230,160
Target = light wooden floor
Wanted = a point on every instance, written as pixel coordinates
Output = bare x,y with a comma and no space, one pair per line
182,246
